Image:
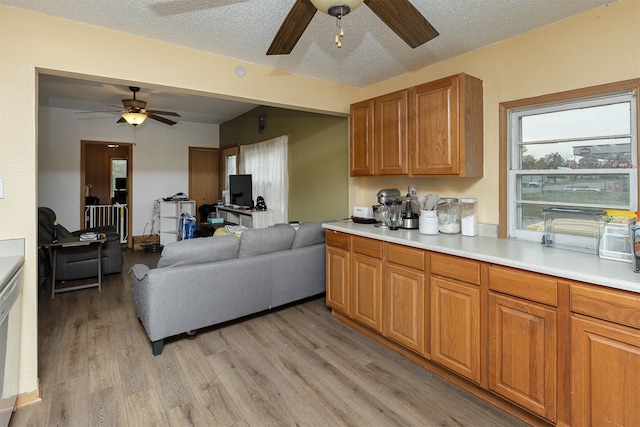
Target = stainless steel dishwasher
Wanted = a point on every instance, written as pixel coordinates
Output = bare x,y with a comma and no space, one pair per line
10,318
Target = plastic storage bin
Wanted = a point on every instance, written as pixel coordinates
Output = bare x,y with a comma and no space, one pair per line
573,229
615,243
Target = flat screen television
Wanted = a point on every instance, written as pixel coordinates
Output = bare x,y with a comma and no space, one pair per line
240,190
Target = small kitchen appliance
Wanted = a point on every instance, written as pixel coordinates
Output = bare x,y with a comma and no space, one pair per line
389,195
410,211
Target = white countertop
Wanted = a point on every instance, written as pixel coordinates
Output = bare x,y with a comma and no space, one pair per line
508,252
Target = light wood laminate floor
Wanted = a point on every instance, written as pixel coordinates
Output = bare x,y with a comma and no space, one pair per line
289,367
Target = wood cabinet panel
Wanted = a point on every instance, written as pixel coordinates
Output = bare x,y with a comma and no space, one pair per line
338,280
404,307
366,283
337,239
390,137
361,127
605,373
523,353
607,304
456,268
524,284
404,255
455,326
446,128
369,247
434,128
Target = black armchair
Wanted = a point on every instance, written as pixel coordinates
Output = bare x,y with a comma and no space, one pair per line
79,262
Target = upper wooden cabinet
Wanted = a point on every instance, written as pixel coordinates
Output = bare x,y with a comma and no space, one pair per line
361,138
390,135
434,129
445,127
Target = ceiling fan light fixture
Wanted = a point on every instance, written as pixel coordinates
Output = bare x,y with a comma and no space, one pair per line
134,118
336,7
337,10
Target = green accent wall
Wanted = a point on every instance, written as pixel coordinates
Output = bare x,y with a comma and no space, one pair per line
318,157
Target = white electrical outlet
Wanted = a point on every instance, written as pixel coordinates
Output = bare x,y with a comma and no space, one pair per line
1,188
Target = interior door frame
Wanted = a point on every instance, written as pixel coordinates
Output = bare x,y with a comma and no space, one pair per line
129,146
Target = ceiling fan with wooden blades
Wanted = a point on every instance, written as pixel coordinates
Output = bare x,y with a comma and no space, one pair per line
135,111
399,15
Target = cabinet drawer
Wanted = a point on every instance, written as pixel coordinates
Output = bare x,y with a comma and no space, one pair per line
364,246
404,255
607,304
531,286
337,239
456,268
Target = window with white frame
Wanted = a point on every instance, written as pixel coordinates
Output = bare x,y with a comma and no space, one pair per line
576,153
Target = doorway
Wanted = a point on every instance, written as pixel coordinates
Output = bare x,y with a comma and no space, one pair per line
204,183
105,185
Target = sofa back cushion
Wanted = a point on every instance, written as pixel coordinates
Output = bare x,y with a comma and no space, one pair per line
308,233
199,251
266,240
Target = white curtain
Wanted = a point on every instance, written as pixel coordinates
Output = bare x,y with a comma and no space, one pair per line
267,163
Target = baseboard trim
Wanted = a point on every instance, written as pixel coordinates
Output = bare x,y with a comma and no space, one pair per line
29,398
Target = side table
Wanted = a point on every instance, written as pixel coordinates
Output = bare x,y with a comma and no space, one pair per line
70,242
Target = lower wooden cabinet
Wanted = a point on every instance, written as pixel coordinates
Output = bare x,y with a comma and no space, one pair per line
605,373
523,353
338,280
367,291
455,326
553,351
404,307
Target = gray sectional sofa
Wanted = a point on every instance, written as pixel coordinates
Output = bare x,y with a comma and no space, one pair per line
206,281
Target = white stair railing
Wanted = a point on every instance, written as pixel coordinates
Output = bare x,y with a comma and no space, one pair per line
101,215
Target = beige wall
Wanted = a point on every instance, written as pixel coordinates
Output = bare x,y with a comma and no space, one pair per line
31,42
597,47
318,157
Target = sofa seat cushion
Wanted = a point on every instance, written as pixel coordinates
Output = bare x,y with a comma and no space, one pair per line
199,251
308,233
266,240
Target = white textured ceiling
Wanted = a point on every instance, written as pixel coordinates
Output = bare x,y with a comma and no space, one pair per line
371,52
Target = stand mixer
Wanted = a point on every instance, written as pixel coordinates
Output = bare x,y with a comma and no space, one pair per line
390,200
382,210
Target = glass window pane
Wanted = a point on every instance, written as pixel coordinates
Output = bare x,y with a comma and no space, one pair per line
595,154
603,120
609,190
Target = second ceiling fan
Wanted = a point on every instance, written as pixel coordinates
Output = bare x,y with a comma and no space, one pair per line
399,15
135,111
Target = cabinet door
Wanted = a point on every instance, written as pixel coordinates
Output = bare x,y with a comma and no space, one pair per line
338,290
404,311
367,291
434,118
455,326
361,138
390,138
605,373
523,353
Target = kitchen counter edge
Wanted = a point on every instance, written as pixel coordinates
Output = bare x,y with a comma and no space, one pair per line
519,254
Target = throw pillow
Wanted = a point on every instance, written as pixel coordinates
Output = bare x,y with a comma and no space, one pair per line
308,233
199,251
266,240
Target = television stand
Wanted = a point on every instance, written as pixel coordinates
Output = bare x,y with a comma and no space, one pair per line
246,217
